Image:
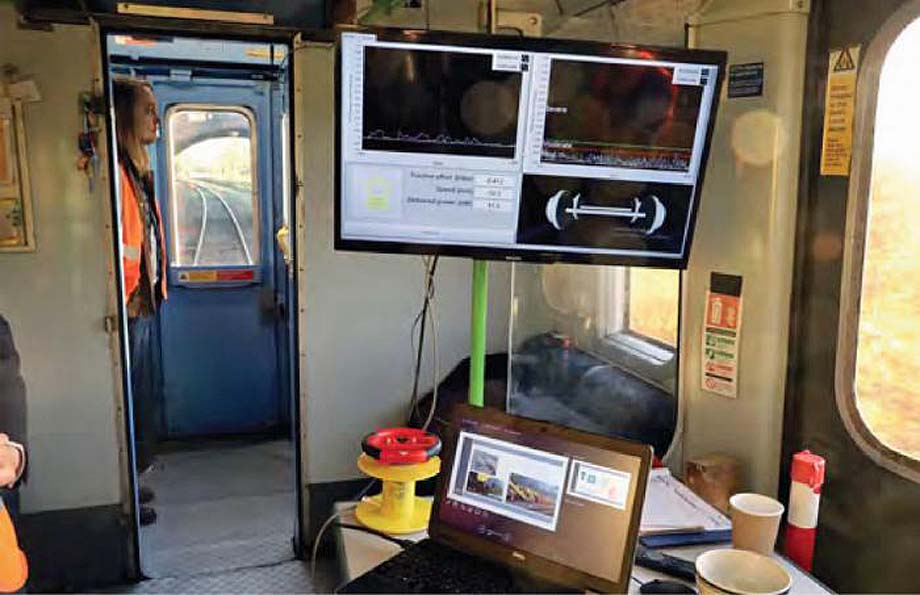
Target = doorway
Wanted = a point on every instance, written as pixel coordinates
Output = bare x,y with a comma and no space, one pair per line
223,412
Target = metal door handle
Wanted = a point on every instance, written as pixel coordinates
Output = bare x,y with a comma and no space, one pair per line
283,237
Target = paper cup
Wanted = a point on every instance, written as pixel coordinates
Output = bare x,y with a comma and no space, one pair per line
740,572
755,522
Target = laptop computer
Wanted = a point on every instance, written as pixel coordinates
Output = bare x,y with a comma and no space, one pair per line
524,506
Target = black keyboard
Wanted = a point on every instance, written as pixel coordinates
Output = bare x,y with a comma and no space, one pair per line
430,567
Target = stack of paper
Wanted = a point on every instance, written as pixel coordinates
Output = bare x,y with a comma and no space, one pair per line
672,508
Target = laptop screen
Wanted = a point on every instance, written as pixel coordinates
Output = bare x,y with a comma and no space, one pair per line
542,492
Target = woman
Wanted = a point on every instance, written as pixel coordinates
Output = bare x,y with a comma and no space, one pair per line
143,260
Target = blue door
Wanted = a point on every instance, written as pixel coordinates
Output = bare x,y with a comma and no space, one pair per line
221,328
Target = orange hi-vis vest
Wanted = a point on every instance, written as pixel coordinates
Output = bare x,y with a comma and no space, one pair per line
132,237
14,569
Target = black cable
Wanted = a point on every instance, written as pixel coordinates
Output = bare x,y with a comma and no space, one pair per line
422,318
317,539
609,3
403,543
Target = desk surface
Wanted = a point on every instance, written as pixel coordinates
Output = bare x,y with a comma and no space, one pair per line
359,552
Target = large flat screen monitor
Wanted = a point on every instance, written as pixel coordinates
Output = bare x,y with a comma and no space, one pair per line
521,149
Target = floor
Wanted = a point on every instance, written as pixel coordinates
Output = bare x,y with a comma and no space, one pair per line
276,579
285,577
225,521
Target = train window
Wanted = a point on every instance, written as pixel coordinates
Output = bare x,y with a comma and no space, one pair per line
653,304
641,307
213,197
593,347
878,366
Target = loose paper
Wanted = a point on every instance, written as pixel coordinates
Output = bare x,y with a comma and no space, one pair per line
670,506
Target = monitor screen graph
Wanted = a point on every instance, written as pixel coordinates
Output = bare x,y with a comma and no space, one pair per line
521,149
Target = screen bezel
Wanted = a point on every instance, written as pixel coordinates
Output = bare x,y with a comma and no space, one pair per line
525,562
561,46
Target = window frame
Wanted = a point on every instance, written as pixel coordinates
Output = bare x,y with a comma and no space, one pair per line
617,342
250,116
855,240
614,305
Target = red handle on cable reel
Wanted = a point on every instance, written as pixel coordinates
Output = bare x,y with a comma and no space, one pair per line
401,446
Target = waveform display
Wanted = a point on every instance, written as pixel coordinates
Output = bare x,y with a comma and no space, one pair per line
662,159
441,139
425,101
619,115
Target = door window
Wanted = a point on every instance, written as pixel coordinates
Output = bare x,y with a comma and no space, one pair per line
213,188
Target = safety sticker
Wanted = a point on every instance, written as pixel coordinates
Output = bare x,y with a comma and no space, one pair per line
839,106
721,335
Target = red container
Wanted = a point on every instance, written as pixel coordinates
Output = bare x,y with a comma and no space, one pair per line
804,500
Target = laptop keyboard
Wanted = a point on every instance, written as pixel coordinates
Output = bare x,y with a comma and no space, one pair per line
430,567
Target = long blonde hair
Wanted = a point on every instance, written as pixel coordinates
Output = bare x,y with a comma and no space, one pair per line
126,92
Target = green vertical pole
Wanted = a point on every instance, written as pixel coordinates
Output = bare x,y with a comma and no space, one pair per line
480,315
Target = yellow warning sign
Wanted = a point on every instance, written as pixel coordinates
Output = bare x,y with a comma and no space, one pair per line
199,276
839,106
845,61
